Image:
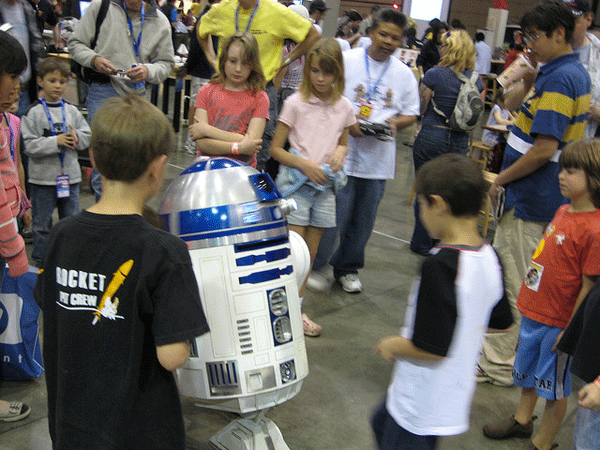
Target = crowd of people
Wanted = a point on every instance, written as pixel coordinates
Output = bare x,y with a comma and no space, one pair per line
326,111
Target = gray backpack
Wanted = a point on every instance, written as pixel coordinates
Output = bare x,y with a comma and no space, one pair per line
469,105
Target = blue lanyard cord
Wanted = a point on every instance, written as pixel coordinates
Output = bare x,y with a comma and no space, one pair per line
11,143
136,43
61,154
371,90
237,13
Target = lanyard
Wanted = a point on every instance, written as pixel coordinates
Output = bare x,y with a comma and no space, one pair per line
11,142
237,13
371,90
136,43
61,154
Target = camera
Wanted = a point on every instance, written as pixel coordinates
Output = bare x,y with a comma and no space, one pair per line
381,131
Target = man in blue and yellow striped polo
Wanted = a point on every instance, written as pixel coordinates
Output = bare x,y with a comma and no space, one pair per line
554,104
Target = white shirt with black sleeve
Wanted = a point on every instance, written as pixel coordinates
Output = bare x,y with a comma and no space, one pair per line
459,295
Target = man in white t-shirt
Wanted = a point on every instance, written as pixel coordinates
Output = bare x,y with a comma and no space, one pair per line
483,55
382,90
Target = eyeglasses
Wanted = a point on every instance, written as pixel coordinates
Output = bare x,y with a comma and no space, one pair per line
530,38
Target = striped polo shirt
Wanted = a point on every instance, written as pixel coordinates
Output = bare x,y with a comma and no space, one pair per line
558,107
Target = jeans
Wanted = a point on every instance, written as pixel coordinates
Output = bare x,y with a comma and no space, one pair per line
391,436
265,152
429,143
356,209
43,202
98,93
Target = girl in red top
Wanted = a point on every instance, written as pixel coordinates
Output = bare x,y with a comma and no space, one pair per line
12,248
232,109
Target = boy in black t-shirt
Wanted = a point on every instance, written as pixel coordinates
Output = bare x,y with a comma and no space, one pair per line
120,299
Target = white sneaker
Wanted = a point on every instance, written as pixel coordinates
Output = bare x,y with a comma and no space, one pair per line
350,283
318,282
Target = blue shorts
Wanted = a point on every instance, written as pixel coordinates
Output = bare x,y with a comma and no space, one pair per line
315,208
537,366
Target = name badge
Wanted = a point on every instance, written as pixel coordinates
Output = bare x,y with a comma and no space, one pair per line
63,187
365,109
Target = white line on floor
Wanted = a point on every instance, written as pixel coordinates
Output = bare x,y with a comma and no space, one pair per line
177,167
391,237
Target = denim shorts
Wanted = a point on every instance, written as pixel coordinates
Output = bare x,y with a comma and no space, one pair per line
537,366
315,208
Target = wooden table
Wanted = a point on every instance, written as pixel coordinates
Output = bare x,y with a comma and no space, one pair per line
497,128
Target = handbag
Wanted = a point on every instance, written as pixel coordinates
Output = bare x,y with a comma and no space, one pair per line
87,74
20,354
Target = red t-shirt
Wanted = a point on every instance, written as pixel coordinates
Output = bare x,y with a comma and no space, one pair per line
569,249
232,110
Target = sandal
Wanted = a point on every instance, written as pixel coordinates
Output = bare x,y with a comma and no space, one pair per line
311,329
16,411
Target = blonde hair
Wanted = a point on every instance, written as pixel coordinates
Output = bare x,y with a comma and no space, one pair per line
250,56
329,58
584,154
460,51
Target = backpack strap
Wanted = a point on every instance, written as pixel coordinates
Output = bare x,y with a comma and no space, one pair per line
99,19
463,79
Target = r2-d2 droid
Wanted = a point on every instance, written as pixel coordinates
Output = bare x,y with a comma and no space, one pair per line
246,264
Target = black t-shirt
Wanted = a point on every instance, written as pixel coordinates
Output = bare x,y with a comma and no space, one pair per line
581,338
44,13
111,290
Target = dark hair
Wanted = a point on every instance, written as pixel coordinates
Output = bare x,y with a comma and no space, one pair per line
128,133
339,33
435,31
48,65
457,24
547,16
389,15
13,59
480,37
584,154
457,179
353,15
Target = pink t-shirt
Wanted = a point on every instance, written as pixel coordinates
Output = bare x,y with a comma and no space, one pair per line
316,126
231,110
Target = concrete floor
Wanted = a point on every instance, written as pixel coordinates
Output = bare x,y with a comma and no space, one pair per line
346,379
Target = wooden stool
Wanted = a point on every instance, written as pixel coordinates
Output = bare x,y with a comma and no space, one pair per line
491,85
487,213
485,152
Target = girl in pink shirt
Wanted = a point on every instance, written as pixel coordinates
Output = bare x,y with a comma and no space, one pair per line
232,109
316,120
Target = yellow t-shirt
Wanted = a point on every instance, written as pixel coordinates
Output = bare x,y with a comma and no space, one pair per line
272,23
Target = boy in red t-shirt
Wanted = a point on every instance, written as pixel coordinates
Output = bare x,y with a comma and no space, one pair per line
561,273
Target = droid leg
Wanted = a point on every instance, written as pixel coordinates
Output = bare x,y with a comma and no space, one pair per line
255,432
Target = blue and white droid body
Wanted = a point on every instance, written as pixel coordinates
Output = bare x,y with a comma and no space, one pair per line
233,220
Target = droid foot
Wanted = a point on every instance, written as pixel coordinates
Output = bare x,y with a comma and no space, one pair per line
311,329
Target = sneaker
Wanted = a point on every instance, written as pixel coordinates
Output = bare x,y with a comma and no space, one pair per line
350,283
508,428
318,282
189,147
16,411
27,234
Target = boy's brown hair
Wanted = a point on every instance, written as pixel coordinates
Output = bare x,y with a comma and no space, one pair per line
128,133
48,65
457,179
584,154
251,56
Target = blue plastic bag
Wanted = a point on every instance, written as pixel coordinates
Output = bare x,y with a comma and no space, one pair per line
21,358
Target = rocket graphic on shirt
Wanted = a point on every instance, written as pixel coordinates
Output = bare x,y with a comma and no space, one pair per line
108,306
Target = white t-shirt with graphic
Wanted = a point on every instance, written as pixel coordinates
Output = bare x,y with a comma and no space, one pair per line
393,90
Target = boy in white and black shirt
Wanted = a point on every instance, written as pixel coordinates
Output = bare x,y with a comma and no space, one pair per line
460,293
